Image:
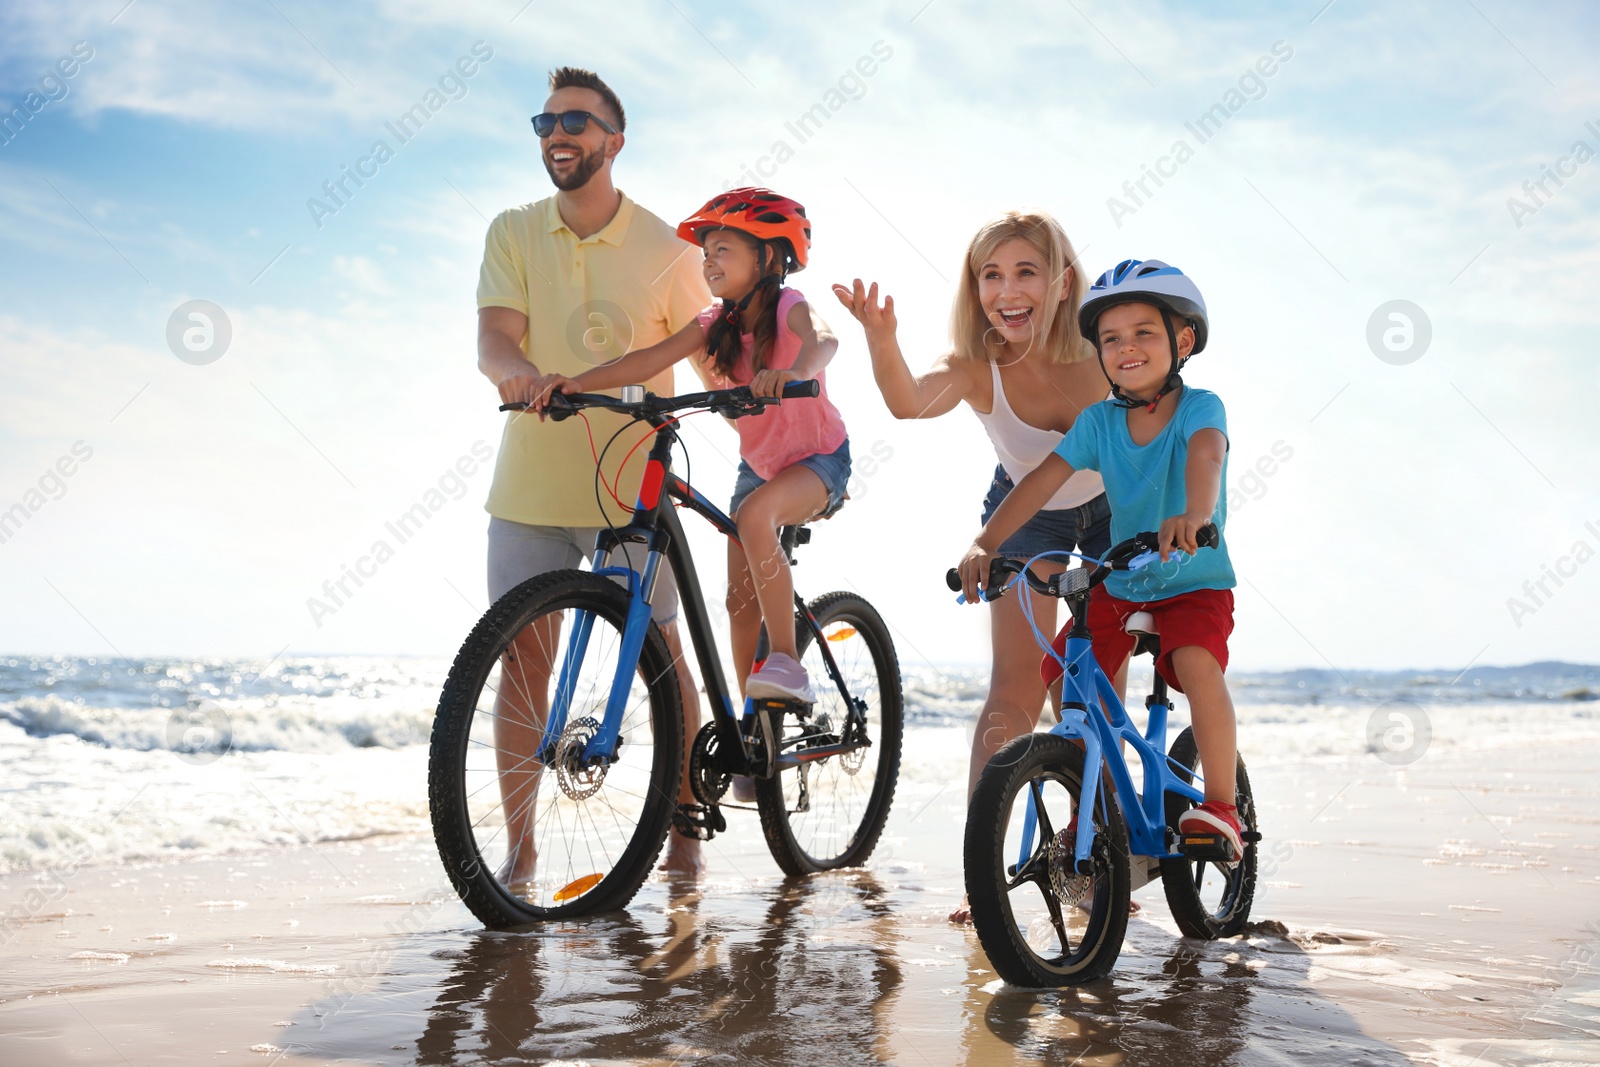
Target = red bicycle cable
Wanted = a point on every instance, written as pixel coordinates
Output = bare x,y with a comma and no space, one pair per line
597,471
609,486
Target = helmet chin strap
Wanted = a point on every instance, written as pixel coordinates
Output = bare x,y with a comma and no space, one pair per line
733,311
1174,379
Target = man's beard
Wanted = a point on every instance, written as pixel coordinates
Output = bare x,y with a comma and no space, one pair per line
588,164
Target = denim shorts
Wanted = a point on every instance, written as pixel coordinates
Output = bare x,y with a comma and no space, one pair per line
1086,528
833,468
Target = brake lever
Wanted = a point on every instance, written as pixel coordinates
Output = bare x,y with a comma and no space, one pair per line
741,408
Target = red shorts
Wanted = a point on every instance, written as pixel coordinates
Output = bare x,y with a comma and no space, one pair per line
1203,617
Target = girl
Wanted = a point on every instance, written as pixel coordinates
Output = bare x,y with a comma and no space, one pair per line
1020,362
795,458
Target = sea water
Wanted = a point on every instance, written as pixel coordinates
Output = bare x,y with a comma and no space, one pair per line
109,761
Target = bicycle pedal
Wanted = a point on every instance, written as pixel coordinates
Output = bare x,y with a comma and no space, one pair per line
698,822
1213,847
777,706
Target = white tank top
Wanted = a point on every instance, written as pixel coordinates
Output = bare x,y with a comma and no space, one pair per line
1021,447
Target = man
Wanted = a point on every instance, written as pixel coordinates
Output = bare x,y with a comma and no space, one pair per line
569,282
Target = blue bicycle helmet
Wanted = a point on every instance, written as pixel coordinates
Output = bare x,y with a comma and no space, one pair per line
1147,281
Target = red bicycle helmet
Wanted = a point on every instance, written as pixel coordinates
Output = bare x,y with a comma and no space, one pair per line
761,213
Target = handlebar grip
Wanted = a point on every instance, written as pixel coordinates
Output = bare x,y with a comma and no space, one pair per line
799,390
558,407
997,579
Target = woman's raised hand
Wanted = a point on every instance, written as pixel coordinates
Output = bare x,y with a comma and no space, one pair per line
862,302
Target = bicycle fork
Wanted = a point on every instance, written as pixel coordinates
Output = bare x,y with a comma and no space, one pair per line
603,745
1074,726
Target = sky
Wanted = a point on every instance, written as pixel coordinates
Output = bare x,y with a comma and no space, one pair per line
1402,485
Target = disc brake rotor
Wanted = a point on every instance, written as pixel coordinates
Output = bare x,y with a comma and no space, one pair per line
578,779
852,760
1070,887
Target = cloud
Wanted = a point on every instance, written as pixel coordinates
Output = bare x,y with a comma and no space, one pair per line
273,67
1369,152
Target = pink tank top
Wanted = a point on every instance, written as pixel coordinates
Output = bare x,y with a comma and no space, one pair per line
786,433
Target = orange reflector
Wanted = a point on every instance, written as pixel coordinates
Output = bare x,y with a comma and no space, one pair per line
578,888
843,633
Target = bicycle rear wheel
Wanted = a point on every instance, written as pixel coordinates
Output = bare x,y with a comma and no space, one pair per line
1041,922
828,813
525,839
1209,900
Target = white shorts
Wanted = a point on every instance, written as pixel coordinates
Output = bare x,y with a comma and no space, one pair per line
518,551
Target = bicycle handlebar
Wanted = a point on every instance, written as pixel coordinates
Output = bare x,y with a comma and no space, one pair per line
1136,552
733,402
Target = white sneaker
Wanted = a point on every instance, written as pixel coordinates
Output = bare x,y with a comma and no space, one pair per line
781,678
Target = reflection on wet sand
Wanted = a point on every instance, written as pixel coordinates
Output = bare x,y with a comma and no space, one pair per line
835,969
812,981
1172,1002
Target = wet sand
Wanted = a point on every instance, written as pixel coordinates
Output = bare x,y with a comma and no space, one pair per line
1445,913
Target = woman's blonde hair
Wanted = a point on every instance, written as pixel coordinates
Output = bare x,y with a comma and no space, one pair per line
971,333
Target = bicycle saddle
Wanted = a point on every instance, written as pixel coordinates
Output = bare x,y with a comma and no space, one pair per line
1140,622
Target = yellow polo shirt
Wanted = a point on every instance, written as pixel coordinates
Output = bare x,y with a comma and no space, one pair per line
588,301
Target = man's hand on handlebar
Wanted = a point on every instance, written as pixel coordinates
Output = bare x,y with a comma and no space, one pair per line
550,383
730,402
771,382
974,571
1179,533
519,388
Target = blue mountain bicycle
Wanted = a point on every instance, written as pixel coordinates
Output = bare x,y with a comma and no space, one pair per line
558,746
1049,887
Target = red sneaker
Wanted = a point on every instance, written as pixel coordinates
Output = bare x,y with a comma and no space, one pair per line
1214,818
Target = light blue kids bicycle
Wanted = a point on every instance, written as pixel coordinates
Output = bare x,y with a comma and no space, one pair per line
1049,888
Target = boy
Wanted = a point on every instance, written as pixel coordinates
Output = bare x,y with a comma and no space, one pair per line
1162,449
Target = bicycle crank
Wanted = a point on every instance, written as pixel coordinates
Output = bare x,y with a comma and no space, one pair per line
707,778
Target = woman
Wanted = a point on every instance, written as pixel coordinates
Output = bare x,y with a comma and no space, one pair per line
1019,361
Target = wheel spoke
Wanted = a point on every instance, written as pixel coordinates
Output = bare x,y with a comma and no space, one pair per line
1031,867
499,797
1046,831
1054,905
1204,906
847,790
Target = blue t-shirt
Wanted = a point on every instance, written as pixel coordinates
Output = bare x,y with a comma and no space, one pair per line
1145,486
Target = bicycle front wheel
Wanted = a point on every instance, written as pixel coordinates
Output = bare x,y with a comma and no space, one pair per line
1040,920
828,813
528,826
1209,899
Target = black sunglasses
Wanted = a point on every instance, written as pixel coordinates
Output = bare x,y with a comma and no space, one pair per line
572,122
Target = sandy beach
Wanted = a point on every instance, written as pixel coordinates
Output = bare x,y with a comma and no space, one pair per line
1447,912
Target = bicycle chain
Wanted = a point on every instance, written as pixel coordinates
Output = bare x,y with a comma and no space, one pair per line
707,780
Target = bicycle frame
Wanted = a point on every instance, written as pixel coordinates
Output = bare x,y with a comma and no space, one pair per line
655,524
1084,686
